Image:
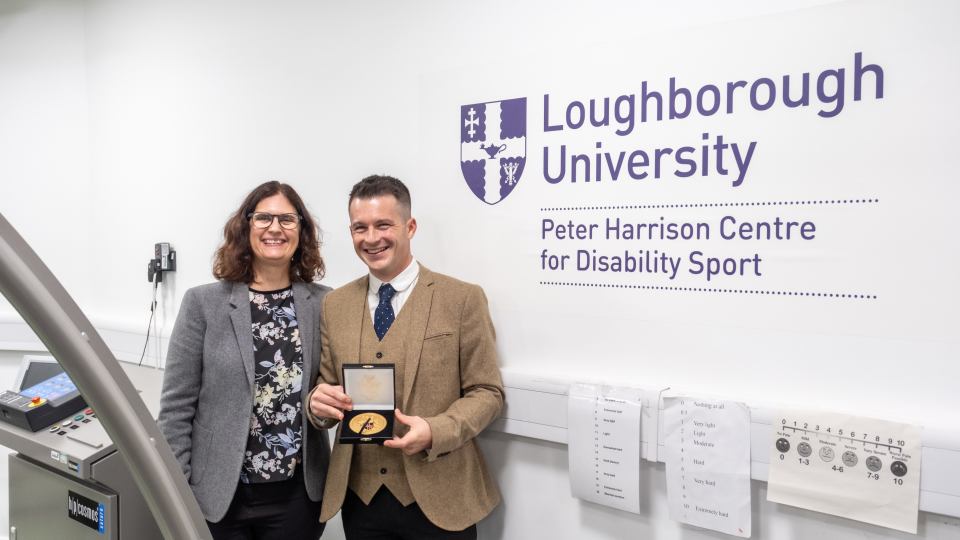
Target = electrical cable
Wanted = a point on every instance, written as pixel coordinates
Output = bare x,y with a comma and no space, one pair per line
153,311
156,337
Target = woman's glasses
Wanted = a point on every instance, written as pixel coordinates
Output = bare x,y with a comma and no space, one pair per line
263,220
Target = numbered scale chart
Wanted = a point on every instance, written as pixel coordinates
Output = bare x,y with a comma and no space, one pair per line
603,437
861,468
707,450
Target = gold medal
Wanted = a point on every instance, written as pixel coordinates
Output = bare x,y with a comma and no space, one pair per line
368,423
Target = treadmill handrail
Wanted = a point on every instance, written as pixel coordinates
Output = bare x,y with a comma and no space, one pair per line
46,306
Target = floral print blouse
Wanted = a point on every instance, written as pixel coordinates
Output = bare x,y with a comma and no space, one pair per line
275,439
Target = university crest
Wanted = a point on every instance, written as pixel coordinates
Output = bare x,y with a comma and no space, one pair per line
493,147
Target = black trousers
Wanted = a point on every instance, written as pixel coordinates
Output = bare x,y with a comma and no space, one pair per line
386,519
273,511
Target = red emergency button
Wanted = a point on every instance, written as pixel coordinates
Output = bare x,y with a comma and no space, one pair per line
36,401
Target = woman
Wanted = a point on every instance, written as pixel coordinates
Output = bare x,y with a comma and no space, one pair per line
241,353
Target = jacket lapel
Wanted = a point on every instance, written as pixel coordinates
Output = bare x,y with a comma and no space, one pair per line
243,327
419,305
307,324
353,331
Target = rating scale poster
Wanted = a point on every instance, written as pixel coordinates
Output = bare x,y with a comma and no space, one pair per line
603,438
707,451
849,466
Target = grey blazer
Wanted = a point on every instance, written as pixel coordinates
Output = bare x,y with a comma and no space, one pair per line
207,395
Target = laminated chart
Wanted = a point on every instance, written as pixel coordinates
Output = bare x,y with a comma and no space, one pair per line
859,468
707,446
603,437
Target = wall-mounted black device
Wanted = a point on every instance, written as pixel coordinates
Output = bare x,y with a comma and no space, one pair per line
164,260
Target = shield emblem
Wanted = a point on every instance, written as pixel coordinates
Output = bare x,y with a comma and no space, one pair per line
493,147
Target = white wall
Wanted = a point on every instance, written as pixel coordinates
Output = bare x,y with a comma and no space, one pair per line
127,123
44,136
192,106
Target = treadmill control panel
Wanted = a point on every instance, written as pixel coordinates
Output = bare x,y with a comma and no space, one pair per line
34,408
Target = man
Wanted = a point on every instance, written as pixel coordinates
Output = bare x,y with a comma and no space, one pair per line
430,480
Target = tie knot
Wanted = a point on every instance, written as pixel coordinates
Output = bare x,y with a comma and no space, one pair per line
386,292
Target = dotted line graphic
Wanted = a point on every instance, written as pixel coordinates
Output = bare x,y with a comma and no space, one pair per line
849,296
713,205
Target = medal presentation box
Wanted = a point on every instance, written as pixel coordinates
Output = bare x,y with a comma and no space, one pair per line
370,386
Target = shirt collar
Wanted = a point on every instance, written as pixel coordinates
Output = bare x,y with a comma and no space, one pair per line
402,282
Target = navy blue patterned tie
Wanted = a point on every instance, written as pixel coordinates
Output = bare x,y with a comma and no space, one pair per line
383,316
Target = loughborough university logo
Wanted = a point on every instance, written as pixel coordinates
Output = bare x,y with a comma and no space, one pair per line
493,147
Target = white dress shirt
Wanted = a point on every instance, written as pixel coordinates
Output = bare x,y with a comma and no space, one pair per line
403,284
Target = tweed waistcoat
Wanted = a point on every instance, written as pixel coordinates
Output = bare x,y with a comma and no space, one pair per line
374,465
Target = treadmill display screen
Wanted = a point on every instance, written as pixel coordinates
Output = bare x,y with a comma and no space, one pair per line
51,389
37,372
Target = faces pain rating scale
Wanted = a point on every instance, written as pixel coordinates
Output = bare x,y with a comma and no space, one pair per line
856,467
845,450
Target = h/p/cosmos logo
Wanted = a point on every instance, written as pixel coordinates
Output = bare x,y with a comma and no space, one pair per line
493,147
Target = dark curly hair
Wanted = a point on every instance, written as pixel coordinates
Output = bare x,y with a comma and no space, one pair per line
233,260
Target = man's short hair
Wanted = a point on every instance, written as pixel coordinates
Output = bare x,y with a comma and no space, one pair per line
378,185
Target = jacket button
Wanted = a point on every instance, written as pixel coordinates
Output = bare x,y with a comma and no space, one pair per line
379,355
383,470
